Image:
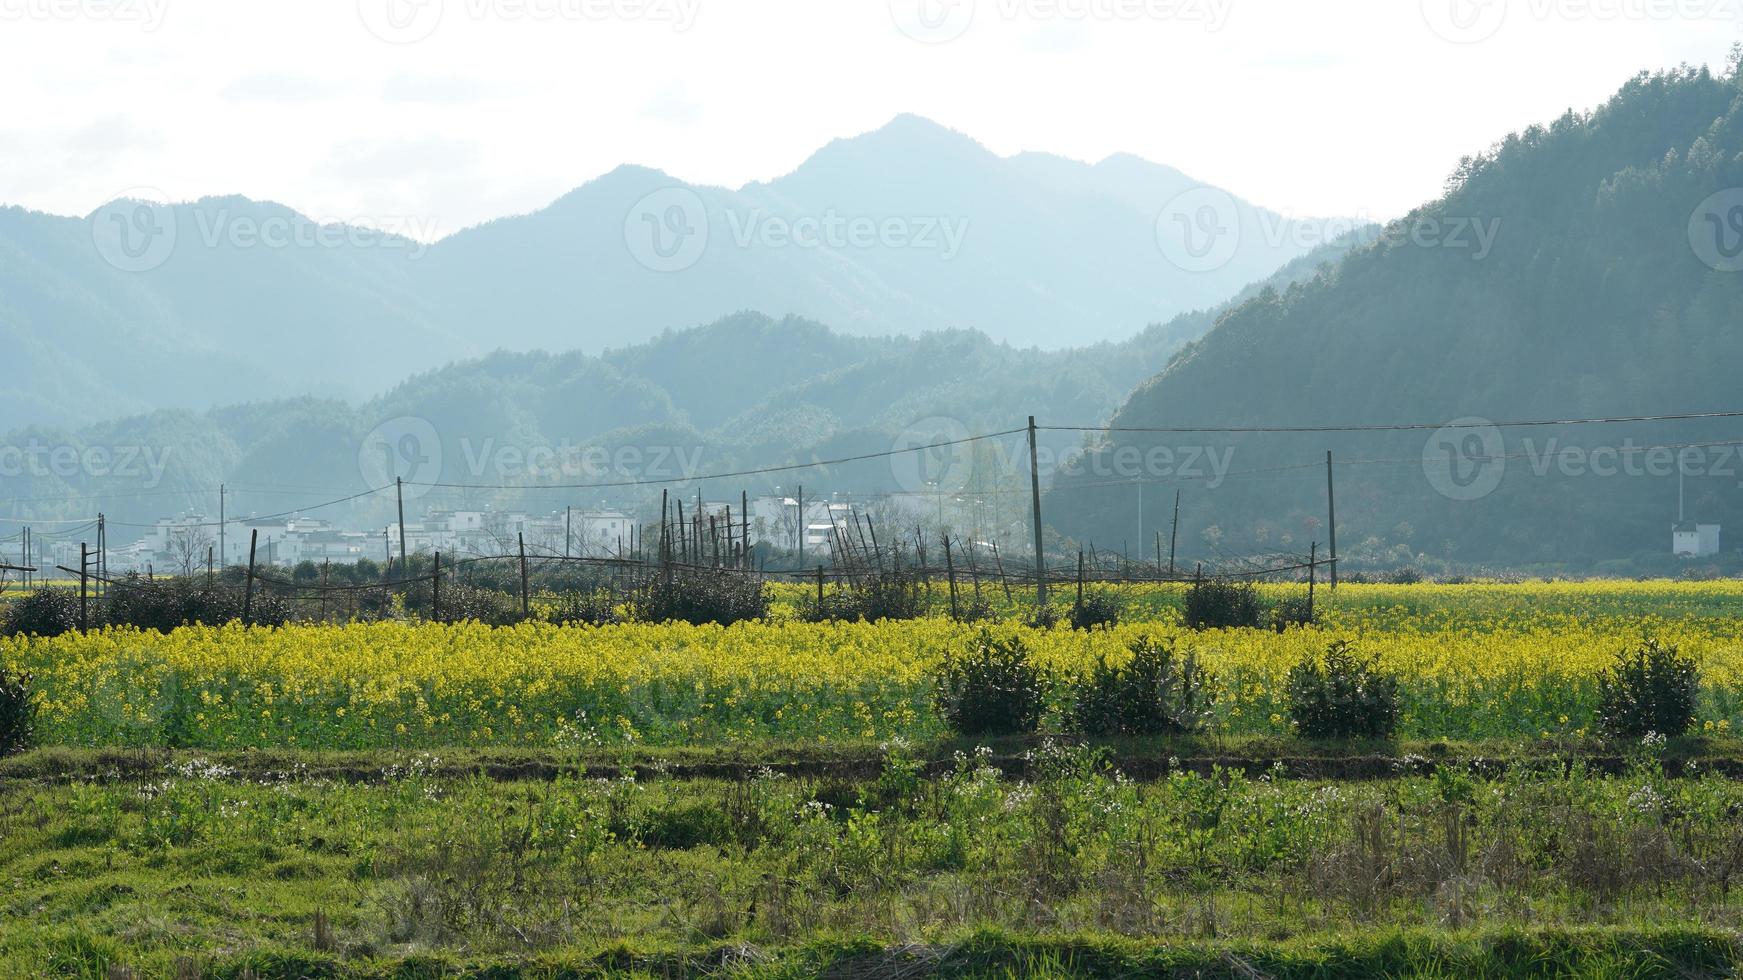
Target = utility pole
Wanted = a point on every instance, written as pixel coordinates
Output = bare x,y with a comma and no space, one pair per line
399,492
221,552
1035,496
1331,503
568,529
84,566
801,532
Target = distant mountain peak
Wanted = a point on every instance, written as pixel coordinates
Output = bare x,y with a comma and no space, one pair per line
907,137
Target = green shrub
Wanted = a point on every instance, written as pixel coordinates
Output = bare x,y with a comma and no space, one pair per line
17,713
594,608
721,598
1346,696
1156,693
172,603
974,607
1648,690
1217,603
464,603
1099,608
45,612
1044,617
1295,610
993,689
894,595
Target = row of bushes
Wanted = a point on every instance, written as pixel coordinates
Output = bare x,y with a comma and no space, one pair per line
698,598
166,604
1209,604
995,688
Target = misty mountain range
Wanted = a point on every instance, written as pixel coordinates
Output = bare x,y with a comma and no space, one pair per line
1591,267
908,229
745,391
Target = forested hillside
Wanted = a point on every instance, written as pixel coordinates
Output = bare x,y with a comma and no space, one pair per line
1579,269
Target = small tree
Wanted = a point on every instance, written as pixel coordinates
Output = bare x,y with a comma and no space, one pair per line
1650,689
1156,693
188,547
1345,697
993,689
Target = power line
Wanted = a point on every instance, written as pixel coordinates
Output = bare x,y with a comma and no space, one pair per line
261,517
1393,427
790,467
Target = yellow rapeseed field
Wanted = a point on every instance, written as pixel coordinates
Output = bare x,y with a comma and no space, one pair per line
1475,661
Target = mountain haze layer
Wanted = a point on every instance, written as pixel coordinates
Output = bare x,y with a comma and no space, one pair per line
900,231
745,391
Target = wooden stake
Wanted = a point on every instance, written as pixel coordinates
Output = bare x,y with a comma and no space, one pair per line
248,590
950,571
1035,497
526,601
1174,539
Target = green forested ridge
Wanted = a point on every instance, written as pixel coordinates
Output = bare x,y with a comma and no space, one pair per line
1592,301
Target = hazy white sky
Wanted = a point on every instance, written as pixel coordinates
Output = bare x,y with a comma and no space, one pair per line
430,115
